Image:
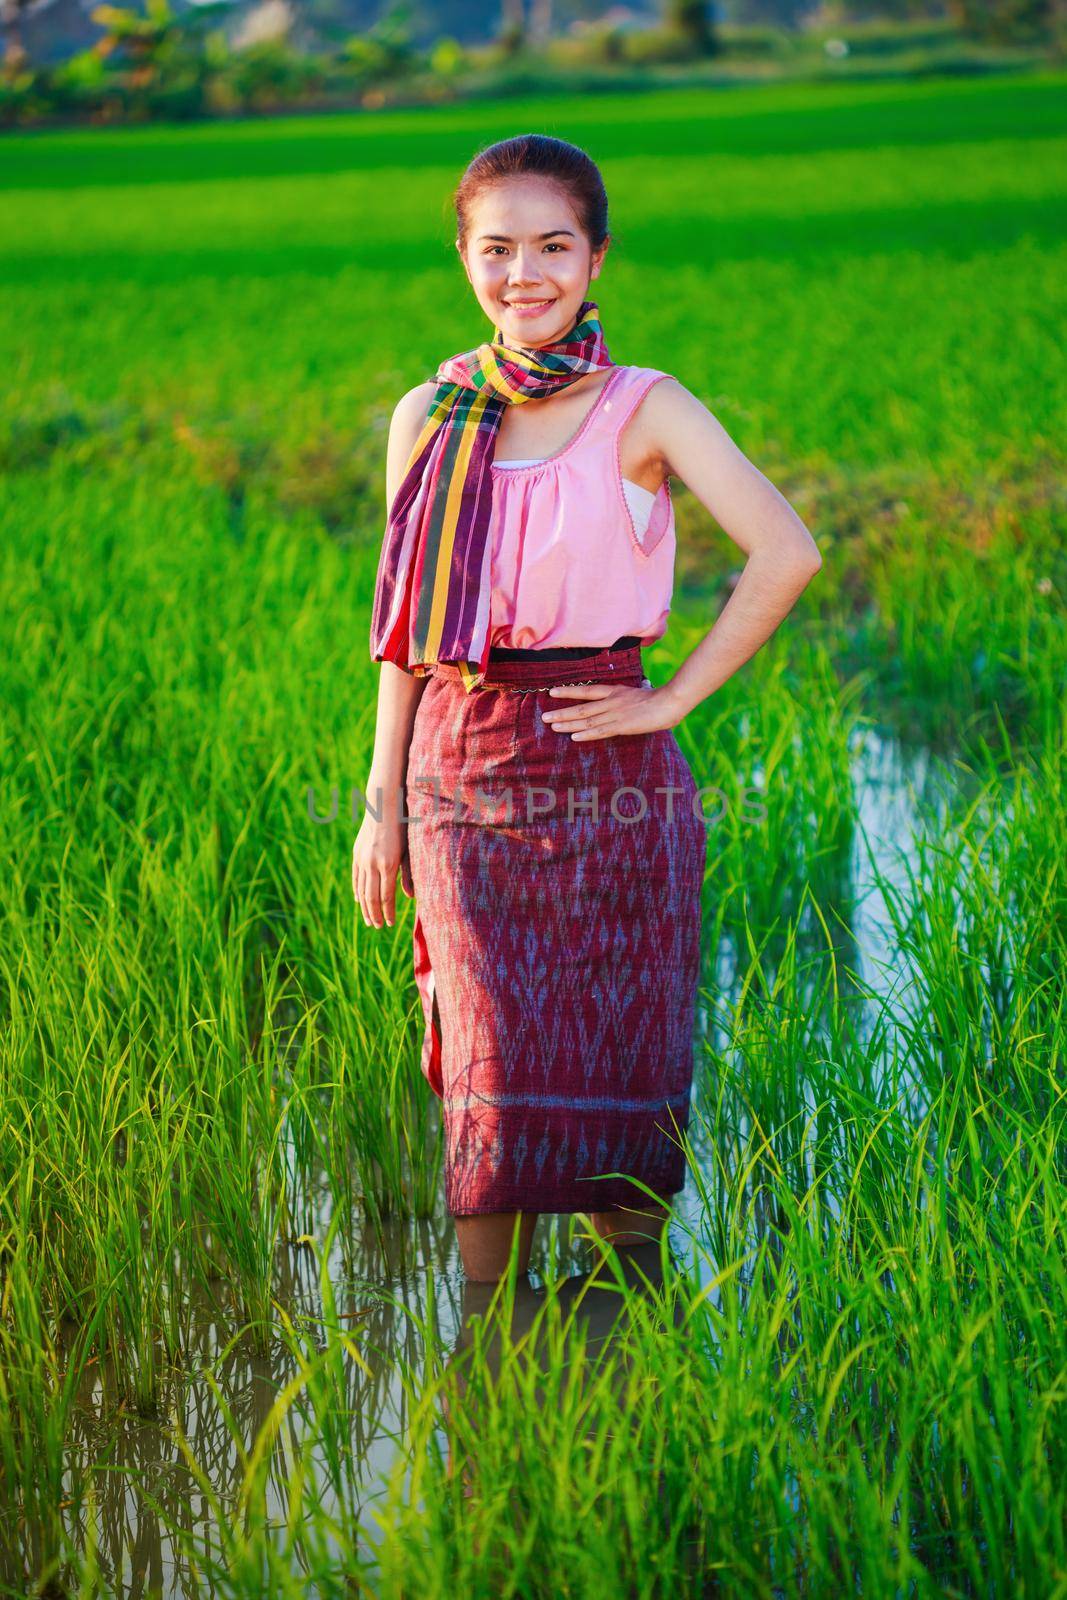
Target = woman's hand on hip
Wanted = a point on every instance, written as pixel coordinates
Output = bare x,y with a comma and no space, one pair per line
606,709
378,855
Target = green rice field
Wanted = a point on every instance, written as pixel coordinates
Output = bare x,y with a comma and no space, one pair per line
238,1355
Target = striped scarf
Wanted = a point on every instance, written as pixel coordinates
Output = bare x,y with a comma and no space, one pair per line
431,599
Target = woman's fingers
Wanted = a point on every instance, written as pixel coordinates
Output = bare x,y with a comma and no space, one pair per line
377,894
583,699
567,716
376,866
364,899
617,711
372,895
358,887
560,693
624,721
387,893
364,882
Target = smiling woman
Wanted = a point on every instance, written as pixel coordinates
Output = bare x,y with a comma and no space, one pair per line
556,945
529,270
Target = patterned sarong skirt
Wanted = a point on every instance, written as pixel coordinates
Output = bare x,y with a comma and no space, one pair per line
556,939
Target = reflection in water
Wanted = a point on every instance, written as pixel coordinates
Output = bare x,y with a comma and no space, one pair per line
899,799
393,1284
594,1310
147,1496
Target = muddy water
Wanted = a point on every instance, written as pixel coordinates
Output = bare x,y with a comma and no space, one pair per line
144,1488
146,1491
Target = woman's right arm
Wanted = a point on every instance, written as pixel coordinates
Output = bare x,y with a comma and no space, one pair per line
380,850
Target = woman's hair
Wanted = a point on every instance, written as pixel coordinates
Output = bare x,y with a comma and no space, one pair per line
565,164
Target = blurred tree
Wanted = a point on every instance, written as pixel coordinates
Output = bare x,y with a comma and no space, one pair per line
567,12
692,20
839,13
448,57
158,55
512,25
393,27
142,37
540,27
10,16
1004,21
770,13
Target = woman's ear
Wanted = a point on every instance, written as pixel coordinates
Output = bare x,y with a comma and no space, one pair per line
597,260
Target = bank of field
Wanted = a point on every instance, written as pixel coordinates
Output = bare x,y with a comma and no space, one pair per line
236,1355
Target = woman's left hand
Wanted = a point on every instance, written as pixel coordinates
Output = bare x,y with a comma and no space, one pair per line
611,708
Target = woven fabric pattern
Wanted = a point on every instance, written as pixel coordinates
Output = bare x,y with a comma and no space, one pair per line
556,957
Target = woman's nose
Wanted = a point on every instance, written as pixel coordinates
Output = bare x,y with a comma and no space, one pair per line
525,270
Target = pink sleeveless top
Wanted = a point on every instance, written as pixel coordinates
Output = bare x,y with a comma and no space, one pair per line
568,567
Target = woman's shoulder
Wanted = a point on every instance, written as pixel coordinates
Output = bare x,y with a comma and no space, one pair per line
649,389
654,388
409,415
637,376
416,402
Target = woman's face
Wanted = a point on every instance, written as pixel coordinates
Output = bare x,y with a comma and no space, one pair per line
524,244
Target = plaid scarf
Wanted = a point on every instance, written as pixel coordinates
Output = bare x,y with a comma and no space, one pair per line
431,600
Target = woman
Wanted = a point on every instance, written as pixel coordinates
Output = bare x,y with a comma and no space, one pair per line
553,837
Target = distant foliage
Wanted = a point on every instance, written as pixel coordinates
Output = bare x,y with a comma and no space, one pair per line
1004,21
692,20
152,61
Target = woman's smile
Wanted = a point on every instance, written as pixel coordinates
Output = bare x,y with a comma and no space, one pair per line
529,308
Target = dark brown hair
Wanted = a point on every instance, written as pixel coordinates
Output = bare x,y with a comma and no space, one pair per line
565,164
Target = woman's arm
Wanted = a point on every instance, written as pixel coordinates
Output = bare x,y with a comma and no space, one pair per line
380,850
674,430
782,555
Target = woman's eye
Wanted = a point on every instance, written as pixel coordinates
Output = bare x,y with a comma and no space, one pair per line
493,248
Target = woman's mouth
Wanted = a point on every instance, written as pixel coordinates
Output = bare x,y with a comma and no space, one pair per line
529,308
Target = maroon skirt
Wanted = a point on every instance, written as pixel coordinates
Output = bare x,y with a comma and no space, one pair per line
556,943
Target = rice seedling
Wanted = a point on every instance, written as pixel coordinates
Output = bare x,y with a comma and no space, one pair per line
38,1392
309,1433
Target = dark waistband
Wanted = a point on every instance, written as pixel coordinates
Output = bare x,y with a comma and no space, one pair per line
561,652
